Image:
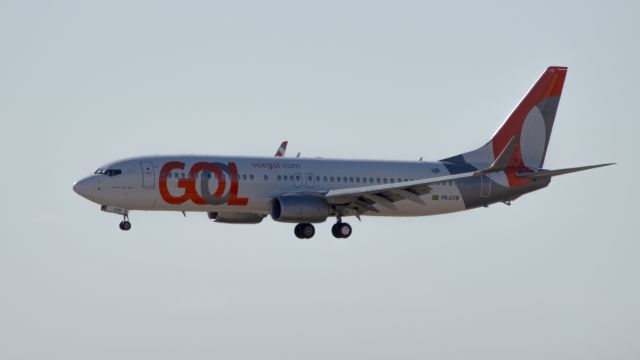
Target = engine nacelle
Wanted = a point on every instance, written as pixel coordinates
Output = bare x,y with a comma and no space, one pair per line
299,209
235,218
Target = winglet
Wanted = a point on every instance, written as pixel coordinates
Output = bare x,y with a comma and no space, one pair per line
501,162
282,149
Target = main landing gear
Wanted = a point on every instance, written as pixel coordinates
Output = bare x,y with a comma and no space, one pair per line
306,231
341,230
125,225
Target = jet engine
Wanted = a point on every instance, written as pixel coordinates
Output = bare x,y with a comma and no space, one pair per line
235,218
299,209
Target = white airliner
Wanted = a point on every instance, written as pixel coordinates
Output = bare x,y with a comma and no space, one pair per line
244,190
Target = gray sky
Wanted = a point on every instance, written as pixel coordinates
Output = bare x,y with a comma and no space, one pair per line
554,276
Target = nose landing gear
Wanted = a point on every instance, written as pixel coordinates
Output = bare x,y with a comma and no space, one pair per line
125,225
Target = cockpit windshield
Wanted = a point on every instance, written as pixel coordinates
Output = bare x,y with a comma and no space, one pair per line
108,172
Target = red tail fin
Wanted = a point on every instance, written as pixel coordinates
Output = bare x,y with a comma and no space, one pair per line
531,121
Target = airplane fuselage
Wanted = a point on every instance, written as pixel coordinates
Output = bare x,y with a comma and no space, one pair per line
248,184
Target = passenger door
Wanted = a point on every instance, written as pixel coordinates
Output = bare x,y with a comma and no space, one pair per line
148,175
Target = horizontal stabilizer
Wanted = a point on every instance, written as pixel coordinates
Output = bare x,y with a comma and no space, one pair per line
549,173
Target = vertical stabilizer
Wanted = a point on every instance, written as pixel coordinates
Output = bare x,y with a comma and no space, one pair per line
531,122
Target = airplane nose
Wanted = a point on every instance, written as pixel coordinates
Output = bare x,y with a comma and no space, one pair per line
83,187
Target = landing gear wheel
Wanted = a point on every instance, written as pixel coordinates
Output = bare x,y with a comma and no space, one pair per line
125,225
341,230
334,231
304,231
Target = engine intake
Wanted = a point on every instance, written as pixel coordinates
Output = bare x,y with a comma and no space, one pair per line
299,209
235,218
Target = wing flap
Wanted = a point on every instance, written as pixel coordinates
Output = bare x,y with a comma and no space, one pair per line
377,199
386,194
408,195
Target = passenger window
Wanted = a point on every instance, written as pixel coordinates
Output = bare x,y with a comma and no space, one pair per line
378,180
358,180
384,180
279,177
317,178
331,179
371,180
392,181
266,177
364,180
244,177
285,178
298,177
344,179
251,177
339,179
309,178
325,179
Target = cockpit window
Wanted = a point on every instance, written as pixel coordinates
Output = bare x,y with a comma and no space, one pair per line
108,172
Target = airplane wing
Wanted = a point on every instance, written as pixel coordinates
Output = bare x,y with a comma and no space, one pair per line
364,198
282,149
